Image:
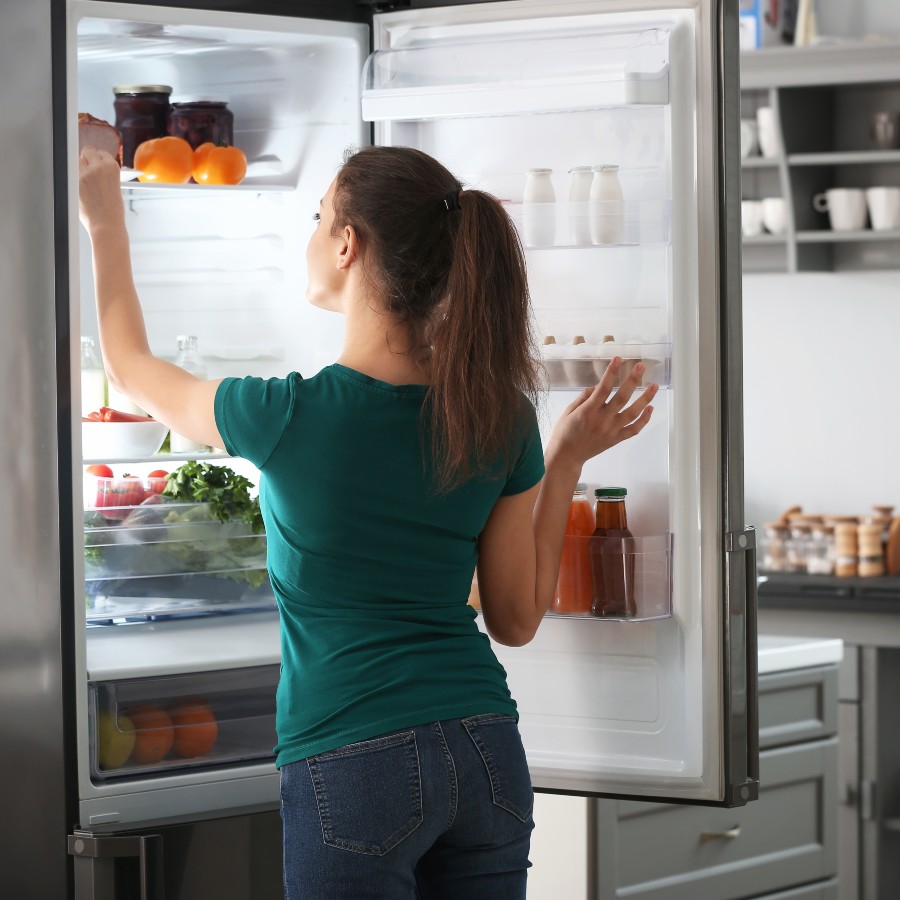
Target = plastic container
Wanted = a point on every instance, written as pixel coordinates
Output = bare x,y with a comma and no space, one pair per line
169,558
607,206
142,113
202,120
539,208
579,195
93,378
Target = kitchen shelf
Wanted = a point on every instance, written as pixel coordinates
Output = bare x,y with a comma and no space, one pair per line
846,158
781,590
834,237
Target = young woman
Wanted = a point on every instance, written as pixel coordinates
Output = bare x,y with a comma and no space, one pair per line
385,479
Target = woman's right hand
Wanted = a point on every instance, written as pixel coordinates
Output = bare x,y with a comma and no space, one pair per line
600,418
99,190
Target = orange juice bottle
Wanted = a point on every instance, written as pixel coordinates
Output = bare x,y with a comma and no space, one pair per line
574,590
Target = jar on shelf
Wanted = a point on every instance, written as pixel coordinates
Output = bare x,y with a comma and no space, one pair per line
201,120
607,206
539,208
870,549
797,548
820,556
142,114
773,549
579,195
846,551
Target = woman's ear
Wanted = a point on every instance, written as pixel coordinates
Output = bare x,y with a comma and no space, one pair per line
349,247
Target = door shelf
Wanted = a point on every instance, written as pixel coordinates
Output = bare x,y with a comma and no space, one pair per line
144,727
615,579
592,226
564,371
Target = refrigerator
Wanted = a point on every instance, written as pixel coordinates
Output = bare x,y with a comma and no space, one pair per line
660,705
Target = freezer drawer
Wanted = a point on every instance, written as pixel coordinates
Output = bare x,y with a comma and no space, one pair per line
145,727
171,559
789,836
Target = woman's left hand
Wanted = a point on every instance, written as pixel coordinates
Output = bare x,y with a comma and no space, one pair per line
99,191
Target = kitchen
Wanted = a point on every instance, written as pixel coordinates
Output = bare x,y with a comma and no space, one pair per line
771,389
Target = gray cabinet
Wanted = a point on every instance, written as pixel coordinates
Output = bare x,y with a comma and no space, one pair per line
783,845
824,99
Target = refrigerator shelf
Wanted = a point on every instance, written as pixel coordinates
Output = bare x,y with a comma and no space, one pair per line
517,72
592,225
144,727
563,370
159,458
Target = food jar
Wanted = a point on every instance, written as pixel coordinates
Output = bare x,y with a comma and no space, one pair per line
200,121
142,113
846,549
820,558
870,549
773,552
797,548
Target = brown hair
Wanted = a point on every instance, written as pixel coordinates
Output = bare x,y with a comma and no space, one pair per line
456,277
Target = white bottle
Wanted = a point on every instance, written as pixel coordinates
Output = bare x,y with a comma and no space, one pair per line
607,206
189,359
539,208
93,379
579,194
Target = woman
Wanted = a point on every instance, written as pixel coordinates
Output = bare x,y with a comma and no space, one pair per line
384,479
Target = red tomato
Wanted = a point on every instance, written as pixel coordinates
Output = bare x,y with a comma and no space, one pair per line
218,165
166,160
100,471
156,481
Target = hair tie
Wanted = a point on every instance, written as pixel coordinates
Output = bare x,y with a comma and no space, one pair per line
451,200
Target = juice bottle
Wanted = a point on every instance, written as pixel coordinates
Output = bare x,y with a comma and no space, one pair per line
574,590
612,565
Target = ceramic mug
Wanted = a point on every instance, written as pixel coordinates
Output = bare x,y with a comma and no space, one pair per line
751,217
884,208
846,208
774,214
769,138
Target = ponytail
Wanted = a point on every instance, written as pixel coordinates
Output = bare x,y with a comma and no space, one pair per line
448,263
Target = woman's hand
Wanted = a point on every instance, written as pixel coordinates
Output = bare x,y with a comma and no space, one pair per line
99,191
600,418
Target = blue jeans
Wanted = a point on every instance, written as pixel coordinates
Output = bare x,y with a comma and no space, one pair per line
433,812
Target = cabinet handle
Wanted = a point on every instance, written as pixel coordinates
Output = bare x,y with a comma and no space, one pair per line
729,835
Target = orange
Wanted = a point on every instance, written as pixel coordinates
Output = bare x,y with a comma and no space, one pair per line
196,728
153,734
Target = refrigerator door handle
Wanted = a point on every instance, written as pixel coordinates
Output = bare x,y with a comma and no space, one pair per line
95,857
742,759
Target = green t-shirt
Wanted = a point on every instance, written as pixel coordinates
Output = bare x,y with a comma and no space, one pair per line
371,569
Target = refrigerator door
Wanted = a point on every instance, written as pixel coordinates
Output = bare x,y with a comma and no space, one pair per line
659,703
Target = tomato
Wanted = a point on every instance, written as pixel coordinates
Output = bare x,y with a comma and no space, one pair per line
156,481
116,496
100,471
166,160
218,165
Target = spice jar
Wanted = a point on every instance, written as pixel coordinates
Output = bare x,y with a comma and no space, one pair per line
870,549
200,120
845,549
142,113
820,557
797,547
773,550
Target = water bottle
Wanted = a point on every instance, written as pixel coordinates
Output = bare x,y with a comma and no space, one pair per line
189,359
93,379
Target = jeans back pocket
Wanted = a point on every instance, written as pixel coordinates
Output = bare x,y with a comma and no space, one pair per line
369,794
500,745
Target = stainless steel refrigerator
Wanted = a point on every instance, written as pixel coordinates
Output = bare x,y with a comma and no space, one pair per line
657,704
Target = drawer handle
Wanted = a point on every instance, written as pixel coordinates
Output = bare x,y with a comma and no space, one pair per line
729,835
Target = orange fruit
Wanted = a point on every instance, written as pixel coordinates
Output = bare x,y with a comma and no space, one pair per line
196,728
153,734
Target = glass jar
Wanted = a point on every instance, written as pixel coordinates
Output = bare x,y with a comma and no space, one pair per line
575,589
846,559
773,549
797,548
201,121
142,113
820,555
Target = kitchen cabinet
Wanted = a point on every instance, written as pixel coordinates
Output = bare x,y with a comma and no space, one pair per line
783,845
864,613
824,99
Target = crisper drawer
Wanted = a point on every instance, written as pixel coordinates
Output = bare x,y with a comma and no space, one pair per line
144,726
171,559
788,837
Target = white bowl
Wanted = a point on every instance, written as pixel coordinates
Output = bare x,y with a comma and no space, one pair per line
121,440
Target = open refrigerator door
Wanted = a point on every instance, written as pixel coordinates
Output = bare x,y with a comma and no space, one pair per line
601,127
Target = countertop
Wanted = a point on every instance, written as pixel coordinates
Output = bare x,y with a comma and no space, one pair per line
780,653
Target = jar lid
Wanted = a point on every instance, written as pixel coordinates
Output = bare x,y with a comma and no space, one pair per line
581,486
190,100
142,89
611,492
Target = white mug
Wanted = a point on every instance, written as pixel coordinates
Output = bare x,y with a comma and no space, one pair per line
884,208
751,217
846,208
769,137
774,214
749,137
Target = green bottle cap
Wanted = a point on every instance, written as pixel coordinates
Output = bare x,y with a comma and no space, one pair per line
611,492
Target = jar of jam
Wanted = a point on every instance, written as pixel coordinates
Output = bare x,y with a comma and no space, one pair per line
201,120
142,113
